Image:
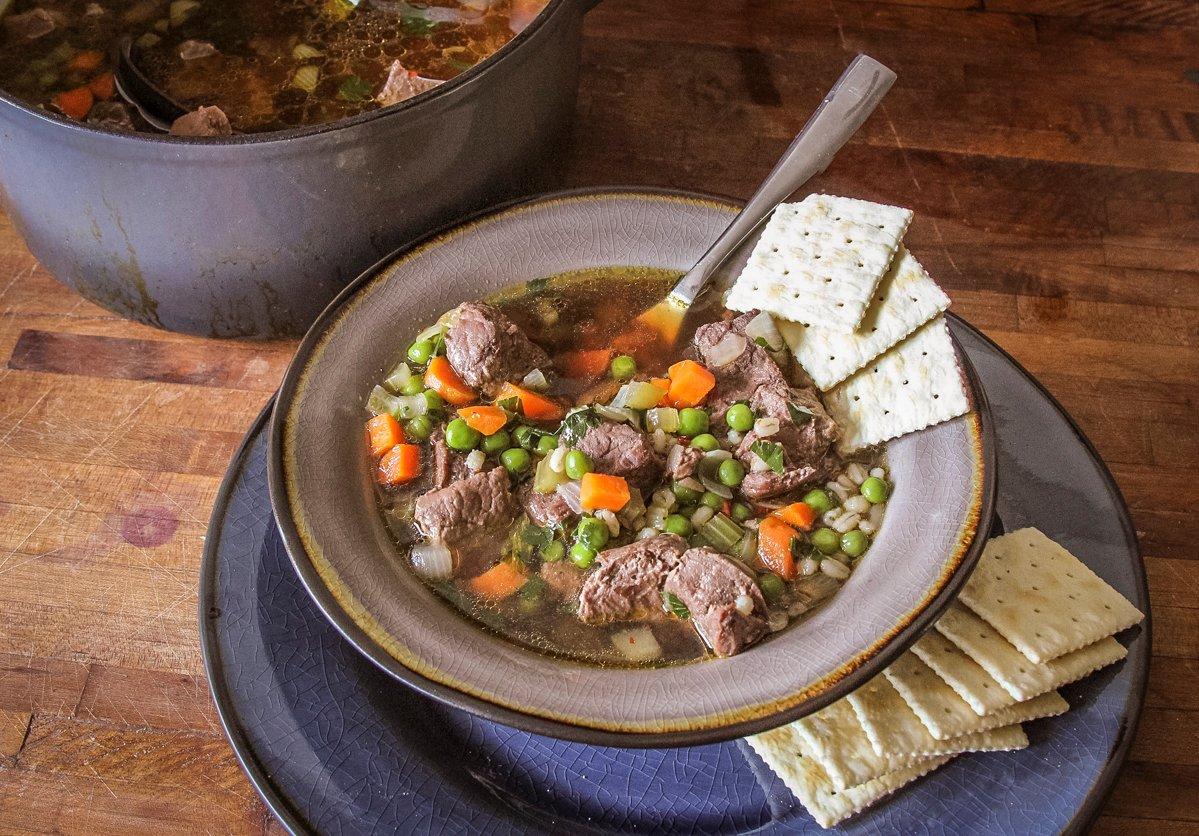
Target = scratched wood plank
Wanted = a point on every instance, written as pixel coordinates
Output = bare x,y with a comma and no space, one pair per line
1051,150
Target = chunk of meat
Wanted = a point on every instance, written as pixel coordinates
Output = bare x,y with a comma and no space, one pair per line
487,349
627,581
808,454
712,587
620,450
468,515
402,84
190,50
739,379
564,579
681,461
448,465
203,121
545,509
31,25
114,115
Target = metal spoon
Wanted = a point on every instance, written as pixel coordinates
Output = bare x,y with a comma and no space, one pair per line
854,97
155,106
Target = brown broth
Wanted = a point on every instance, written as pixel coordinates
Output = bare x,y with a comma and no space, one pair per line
260,46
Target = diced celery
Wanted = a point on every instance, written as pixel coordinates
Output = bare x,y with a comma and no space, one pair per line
722,533
664,418
398,377
638,395
381,401
546,479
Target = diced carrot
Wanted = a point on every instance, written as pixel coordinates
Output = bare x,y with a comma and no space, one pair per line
498,582
774,547
382,433
599,490
103,86
663,383
532,405
690,383
638,341
399,464
74,103
442,379
486,419
798,514
86,60
585,363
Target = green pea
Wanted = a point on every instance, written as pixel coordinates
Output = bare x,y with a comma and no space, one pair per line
623,367
433,400
460,436
854,543
420,351
677,524
413,386
740,418
826,540
497,442
592,532
741,513
553,551
712,500
525,436
578,464
819,499
547,444
706,442
419,428
772,586
731,472
514,459
582,556
685,495
692,422
875,490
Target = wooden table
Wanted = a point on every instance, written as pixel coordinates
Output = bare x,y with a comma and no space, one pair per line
1050,149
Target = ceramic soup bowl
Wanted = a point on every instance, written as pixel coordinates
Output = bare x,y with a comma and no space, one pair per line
324,502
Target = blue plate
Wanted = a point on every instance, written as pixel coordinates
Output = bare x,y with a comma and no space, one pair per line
334,745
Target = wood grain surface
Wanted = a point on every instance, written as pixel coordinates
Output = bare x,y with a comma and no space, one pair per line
1050,149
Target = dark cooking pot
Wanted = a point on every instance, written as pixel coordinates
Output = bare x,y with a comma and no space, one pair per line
251,235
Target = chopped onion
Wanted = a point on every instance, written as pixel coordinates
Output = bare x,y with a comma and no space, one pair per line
729,348
572,493
691,483
637,644
646,533
747,549
674,458
735,437
431,332
662,440
191,50
536,380
762,326
409,406
433,560
475,460
702,514
757,464
617,414
744,604
633,510
663,497
302,52
609,520
766,426
834,568
398,377
557,459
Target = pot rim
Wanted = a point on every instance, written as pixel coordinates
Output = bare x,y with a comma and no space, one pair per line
459,82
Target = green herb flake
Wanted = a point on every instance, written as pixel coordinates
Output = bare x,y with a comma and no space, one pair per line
770,453
509,405
576,424
416,25
537,285
673,605
536,536
354,89
799,415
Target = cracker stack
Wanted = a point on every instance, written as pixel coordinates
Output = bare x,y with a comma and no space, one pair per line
1031,619
861,315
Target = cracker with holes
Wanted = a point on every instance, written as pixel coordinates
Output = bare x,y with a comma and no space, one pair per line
961,673
906,299
1043,599
895,729
821,260
806,778
1021,677
914,385
834,737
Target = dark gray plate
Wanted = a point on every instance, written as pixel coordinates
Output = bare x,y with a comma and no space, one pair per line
335,745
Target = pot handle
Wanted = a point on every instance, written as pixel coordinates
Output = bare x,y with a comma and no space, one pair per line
588,5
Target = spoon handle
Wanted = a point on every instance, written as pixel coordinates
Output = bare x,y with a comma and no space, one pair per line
845,107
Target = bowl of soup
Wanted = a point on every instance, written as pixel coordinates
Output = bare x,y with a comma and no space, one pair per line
560,521
319,136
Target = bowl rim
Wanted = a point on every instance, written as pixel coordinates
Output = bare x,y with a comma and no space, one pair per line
904,633
464,79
